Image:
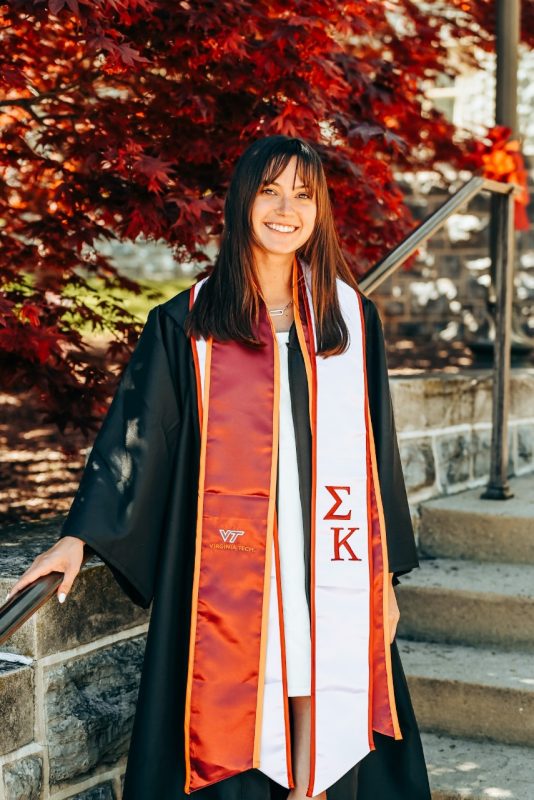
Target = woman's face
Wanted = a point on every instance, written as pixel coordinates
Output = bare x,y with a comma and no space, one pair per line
283,214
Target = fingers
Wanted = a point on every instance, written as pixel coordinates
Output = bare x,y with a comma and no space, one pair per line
36,570
63,557
66,584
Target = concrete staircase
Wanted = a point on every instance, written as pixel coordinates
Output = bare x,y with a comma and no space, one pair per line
466,640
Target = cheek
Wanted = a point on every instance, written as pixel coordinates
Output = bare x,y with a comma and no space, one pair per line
308,220
258,211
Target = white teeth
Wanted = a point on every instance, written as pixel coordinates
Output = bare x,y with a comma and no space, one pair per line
281,228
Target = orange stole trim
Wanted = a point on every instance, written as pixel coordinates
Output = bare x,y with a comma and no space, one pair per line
196,573
374,686
271,522
235,526
383,707
391,726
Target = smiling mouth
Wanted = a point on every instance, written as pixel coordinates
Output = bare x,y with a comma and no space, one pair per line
275,226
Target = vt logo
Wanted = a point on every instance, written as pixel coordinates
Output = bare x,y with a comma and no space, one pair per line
230,536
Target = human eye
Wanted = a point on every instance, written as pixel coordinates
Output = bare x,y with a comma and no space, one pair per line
267,189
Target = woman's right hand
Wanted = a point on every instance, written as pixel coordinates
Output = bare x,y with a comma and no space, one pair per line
66,556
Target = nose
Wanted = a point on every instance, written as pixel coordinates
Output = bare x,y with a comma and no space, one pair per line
284,204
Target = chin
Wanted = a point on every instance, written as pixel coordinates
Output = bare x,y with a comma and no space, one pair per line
281,249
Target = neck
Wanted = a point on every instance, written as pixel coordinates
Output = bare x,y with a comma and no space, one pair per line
274,273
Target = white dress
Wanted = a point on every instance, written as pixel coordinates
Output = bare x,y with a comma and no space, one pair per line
291,543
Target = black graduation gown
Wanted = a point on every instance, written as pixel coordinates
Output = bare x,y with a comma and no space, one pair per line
136,508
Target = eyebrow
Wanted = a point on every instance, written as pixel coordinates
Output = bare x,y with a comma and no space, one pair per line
275,183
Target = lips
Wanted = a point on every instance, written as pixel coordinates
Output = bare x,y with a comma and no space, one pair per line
280,228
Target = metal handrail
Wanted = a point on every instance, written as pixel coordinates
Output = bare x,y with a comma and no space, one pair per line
22,605
497,487
407,247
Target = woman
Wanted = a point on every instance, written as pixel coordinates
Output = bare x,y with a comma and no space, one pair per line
246,481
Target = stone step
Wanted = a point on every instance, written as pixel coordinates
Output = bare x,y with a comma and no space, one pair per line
464,769
468,602
95,607
479,693
465,526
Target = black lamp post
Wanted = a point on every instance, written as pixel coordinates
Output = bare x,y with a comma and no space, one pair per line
502,249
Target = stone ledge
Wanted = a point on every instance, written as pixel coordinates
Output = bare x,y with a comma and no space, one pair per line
442,399
465,526
96,606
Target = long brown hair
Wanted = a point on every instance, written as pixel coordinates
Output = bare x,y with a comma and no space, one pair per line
228,304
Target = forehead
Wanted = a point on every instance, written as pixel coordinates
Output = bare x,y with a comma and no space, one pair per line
293,170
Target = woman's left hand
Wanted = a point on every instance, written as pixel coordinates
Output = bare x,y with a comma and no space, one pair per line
394,612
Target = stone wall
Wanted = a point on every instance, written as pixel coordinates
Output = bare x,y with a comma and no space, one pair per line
444,431
68,698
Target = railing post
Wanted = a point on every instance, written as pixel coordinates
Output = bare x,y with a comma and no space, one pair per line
503,269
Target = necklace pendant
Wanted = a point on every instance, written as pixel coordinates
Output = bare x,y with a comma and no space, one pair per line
278,312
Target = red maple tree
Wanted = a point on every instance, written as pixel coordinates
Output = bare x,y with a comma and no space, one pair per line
125,117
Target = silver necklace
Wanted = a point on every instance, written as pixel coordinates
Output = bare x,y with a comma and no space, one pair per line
278,312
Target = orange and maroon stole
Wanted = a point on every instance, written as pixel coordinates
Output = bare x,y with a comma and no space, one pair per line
237,713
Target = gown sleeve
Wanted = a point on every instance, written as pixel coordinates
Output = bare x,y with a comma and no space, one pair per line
402,551
119,507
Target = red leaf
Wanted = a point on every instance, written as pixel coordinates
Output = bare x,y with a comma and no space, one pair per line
156,170
30,313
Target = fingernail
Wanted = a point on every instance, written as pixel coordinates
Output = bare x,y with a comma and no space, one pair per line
61,597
